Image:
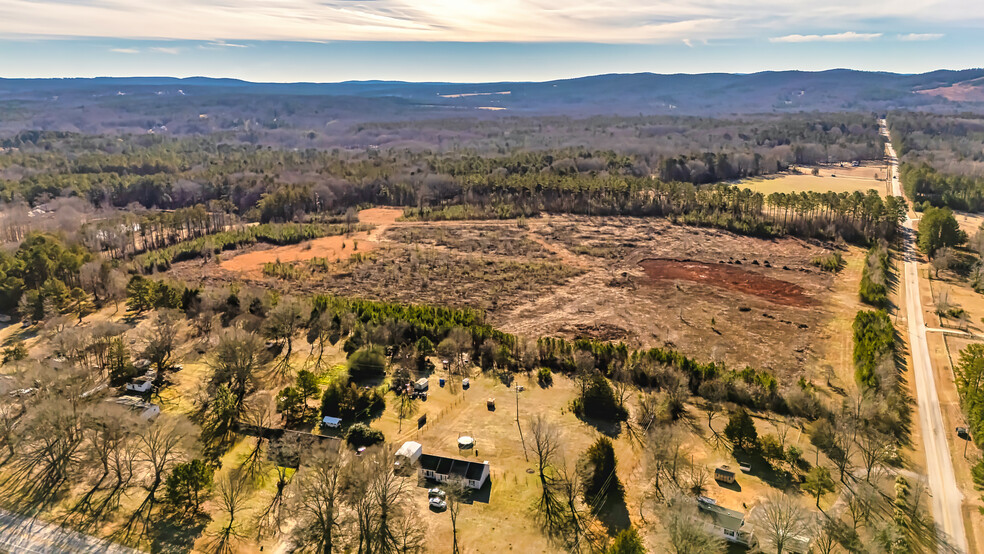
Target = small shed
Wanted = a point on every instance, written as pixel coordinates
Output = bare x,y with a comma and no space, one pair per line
333,422
410,451
724,475
421,384
490,403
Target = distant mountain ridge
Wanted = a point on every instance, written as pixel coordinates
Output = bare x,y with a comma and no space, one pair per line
131,104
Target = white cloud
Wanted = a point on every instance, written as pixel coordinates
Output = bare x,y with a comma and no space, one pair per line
222,23
125,50
224,44
165,50
688,42
849,36
912,37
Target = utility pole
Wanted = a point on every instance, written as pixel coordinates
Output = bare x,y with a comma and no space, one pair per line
517,403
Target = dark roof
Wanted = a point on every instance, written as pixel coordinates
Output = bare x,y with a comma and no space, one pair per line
723,471
723,517
451,466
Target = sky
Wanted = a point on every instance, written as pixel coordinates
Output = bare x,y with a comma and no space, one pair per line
480,40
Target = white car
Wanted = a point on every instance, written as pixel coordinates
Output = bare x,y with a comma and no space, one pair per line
438,504
436,492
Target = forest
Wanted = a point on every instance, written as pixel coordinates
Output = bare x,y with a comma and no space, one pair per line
942,158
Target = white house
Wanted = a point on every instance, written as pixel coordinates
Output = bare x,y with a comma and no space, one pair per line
421,384
142,383
333,422
440,469
725,523
145,409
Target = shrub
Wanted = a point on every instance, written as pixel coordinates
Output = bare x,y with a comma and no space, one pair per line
361,434
280,270
544,376
828,261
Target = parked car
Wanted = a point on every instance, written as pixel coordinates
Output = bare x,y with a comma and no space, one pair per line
963,433
436,493
438,504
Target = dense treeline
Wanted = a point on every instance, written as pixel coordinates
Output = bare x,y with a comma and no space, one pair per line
208,245
283,184
41,275
854,216
925,185
942,159
970,373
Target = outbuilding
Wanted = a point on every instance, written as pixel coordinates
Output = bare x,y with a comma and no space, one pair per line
724,475
421,384
410,452
332,422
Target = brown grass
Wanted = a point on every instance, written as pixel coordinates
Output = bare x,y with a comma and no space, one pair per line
831,178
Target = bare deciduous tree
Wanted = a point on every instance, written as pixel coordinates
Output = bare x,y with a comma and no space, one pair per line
686,530
545,440
231,496
319,503
781,519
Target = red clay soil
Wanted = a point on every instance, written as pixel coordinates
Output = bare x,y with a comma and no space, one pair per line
727,276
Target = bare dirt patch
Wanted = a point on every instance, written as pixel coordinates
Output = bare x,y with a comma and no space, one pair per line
727,277
333,248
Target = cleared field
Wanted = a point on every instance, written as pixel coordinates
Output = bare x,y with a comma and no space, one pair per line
830,179
332,248
711,294
728,298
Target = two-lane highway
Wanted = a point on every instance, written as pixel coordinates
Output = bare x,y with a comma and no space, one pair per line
947,498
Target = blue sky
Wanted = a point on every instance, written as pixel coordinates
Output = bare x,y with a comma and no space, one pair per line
474,40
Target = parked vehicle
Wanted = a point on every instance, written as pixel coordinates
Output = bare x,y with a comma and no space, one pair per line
436,493
438,504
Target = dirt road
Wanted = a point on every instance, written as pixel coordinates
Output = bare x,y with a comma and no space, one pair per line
947,498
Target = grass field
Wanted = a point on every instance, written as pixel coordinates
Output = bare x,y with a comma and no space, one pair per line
833,179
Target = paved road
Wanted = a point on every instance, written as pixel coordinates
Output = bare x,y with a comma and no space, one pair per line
947,498
33,536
